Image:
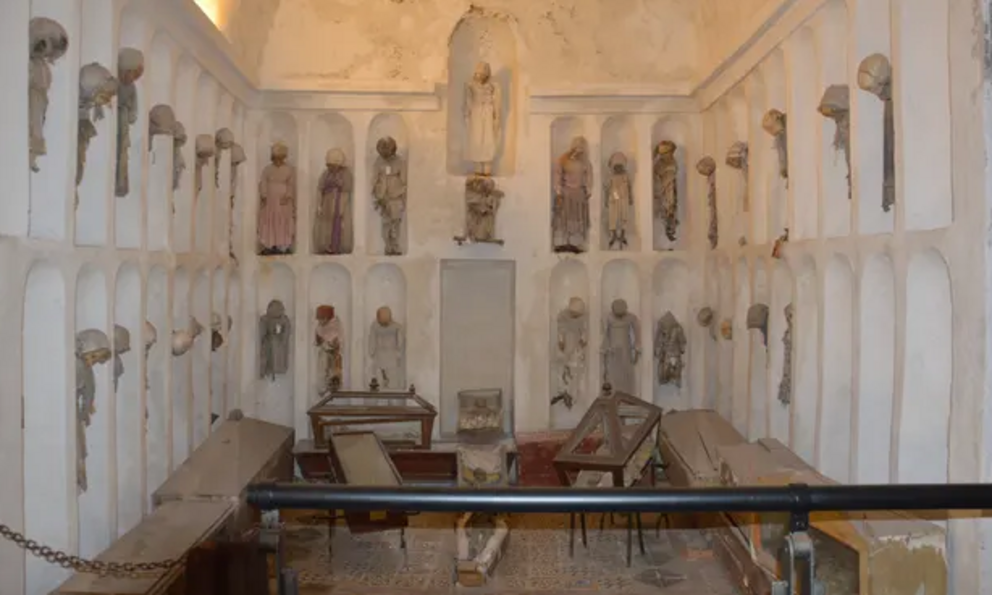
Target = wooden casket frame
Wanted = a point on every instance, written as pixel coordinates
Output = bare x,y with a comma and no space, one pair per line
336,411
360,458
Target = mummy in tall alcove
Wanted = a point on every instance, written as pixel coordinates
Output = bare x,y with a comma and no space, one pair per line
178,161
836,105
737,159
774,123
389,191
49,42
238,157
274,332
332,225
572,181
223,141
205,151
161,121
619,206
621,348
122,344
92,349
785,384
483,102
665,187
707,167
151,337
669,349
97,88
387,350
329,339
130,67
482,201
277,211
573,337
875,77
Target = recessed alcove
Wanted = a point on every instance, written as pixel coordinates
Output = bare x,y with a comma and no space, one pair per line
876,370
619,136
161,75
563,130
204,197
188,73
383,125
836,192
729,395
48,364
679,131
93,505
129,400
327,132
218,357
481,38
806,354
569,279
221,180
761,158
274,394
837,398
200,357
621,280
776,96
758,406
134,33
385,285
239,184
712,336
779,412
158,402
182,379
235,337
53,186
738,349
670,291
738,195
723,135
14,168
925,411
803,97
330,285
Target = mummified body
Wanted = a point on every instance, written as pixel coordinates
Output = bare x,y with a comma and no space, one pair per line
836,105
737,158
130,67
49,42
666,193
277,213
389,192
707,167
122,344
669,349
619,201
92,348
178,161
573,337
621,348
483,99
785,384
329,339
774,123
875,76
572,181
274,332
97,88
482,200
332,227
387,342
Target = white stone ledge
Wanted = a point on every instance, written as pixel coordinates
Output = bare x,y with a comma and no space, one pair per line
408,101
559,102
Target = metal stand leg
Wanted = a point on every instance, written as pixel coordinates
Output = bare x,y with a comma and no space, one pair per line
582,519
571,534
630,538
640,532
289,582
798,546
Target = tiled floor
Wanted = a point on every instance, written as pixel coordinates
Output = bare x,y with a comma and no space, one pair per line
677,562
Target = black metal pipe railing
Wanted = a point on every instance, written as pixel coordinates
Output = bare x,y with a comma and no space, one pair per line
798,498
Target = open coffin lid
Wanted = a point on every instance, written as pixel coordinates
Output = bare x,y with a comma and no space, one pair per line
689,442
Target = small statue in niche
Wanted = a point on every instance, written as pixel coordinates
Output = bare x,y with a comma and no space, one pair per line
727,329
573,337
183,339
277,213
737,159
49,42
389,191
224,141
572,180
875,76
274,331
130,67
619,201
666,192
387,345
774,124
836,105
161,120
92,348
151,337
482,201
785,384
178,161
333,223
757,319
329,339
780,243
669,349
621,348
707,167
483,100
706,318
97,88
237,158
122,344
205,151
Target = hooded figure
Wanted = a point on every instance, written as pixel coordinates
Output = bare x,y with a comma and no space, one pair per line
619,201
572,182
875,77
329,339
161,121
97,88
49,42
669,349
92,348
274,332
836,105
332,224
621,348
387,343
205,151
178,161
130,67
774,123
666,192
224,141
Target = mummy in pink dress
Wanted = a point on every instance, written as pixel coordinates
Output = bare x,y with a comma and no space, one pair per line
277,212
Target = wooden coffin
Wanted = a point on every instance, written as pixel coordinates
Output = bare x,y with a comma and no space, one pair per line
688,443
360,458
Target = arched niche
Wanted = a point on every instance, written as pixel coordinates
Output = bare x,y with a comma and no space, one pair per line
161,77
621,280
806,347
221,221
239,185
670,290
563,130
206,123
569,278
837,399
218,357
482,38
200,356
182,379
49,409
872,34
330,285
14,168
130,397
134,33
383,125
94,509
761,157
729,398
188,73
876,370
803,120
235,336
158,402
758,410
738,349
773,71
836,188
712,336
54,185
331,131
385,285
780,354
677,130
738,199
275,396
925,411
722,137
619,136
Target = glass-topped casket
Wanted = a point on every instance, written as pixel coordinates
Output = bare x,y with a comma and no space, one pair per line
400,419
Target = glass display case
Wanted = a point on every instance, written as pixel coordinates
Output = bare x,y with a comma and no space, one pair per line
480,415
400,419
